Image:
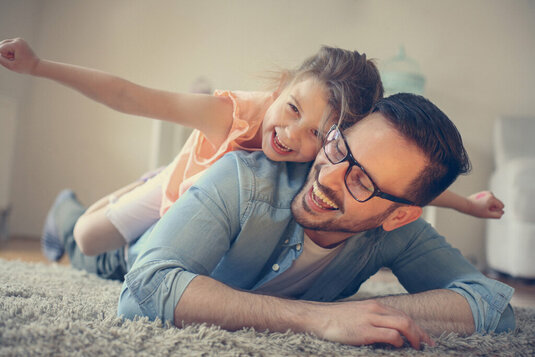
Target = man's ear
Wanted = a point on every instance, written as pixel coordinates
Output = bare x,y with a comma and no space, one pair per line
401,216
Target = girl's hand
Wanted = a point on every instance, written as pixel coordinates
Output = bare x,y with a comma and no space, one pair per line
16,55
485,205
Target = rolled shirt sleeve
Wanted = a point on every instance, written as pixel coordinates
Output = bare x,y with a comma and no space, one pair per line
428,262
190,239
489,302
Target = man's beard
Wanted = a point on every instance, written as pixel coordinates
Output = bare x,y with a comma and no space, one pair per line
342,223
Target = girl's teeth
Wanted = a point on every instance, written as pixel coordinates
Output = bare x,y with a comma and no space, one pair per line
280,145
321,196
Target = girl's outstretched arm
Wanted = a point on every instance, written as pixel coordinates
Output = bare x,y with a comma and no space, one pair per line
211,115
481,204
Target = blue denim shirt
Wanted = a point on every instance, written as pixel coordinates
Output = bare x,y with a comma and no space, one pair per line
235,225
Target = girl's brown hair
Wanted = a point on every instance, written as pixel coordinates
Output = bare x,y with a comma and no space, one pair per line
353,82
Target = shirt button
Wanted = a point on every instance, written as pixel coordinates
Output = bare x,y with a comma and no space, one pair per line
286,241
298,247
275,267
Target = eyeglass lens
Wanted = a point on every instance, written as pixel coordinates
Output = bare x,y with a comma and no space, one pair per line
357,181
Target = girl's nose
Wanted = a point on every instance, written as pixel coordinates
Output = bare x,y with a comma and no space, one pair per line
294,132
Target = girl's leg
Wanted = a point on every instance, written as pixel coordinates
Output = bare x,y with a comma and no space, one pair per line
121,217
94,232
58,238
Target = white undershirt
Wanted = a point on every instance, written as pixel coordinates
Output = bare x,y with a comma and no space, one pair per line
304,270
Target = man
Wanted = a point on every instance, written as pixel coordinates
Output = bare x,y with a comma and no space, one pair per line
258,243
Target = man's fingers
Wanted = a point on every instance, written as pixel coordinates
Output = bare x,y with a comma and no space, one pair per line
388,335
424,337
404,326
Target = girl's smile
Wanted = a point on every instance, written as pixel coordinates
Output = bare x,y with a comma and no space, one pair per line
293,121
278,146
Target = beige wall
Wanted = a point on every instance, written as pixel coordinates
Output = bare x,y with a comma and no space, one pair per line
476,55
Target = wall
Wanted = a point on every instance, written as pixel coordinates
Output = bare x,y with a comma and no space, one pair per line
17,18
476,56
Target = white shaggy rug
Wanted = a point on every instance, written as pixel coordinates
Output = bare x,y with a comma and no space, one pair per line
54,310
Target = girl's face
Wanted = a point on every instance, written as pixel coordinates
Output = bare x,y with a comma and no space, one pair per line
291,126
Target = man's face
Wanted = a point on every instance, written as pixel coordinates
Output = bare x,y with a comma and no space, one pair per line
324,204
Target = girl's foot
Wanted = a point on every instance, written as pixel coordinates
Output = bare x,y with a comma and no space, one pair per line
51,243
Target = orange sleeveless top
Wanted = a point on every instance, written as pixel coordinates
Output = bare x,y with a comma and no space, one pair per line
198,154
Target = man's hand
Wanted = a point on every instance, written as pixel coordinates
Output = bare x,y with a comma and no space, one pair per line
16,55
485,205
366,322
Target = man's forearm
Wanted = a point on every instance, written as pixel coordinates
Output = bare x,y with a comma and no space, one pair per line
206,300
436,311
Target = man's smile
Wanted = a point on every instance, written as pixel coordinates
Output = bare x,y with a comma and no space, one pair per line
320,198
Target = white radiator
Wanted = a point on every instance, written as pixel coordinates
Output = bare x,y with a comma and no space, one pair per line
8,114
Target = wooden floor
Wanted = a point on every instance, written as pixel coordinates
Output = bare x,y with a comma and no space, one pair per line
29,250
25,249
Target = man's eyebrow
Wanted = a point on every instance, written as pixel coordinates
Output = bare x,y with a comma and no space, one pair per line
297,104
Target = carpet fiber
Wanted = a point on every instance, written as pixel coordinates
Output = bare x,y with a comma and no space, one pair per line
54,310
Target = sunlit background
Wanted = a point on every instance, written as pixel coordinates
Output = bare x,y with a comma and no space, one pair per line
476,56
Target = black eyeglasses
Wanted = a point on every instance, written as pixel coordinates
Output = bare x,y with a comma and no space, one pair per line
358,182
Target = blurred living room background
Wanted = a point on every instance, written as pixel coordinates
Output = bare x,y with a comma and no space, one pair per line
476,57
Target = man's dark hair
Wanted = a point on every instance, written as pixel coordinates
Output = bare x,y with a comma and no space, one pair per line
422,122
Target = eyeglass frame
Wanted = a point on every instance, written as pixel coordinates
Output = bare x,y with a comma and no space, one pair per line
377,192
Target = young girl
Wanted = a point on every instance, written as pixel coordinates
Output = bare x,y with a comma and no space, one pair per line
286,124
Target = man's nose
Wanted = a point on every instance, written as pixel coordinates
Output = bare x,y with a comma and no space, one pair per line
333,175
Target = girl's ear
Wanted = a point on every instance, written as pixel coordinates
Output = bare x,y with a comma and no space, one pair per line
401,216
